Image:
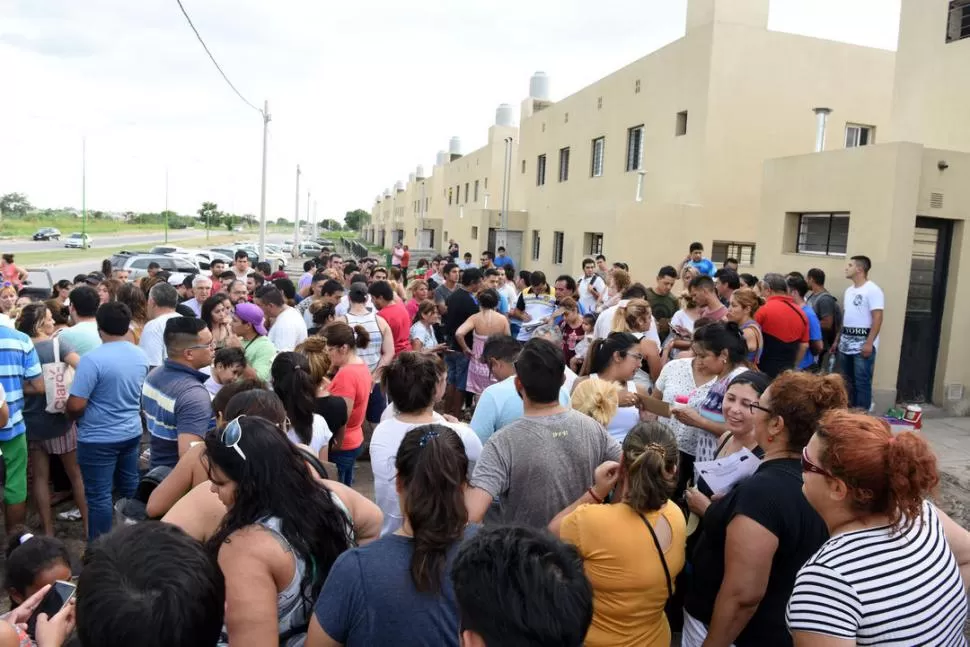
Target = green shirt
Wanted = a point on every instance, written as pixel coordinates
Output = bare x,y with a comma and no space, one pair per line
260,354
663,308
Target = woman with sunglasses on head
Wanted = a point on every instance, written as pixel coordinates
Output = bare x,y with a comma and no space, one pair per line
616,360
633,549
282,531
397,591
758,535
895,568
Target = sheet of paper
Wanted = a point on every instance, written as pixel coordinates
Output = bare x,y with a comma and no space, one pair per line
656,407
723,474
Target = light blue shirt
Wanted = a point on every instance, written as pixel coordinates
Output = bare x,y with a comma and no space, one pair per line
814,334
704,266
83,337
500,405
110,378
18,362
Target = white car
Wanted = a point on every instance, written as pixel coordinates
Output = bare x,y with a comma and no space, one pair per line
77,240
288,247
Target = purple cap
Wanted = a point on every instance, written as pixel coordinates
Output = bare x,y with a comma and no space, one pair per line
251,314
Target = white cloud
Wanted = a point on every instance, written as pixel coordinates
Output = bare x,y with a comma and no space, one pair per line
360,92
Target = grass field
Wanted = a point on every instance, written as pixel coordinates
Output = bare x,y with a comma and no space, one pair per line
18,227
71,255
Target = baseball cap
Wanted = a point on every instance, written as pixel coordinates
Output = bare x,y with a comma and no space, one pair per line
251,314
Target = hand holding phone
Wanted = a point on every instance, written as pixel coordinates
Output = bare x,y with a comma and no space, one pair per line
59,595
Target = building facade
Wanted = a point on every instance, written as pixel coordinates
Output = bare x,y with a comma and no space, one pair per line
713,138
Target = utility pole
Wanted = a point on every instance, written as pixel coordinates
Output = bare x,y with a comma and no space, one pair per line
166,204
84,192
501,240
262,198
315,232
308,221
296,216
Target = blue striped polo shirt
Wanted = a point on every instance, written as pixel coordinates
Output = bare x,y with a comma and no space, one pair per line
18,362
175,401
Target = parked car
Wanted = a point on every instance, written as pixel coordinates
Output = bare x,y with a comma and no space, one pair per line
47,233
77,240
165,249
310,249
287,247
231,253
38,285
203,257
137,264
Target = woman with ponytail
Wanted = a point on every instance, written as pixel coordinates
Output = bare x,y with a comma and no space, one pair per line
895,568
636,317
294,384
352,382
632,550
397,591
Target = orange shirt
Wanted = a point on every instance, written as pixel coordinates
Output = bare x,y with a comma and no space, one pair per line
621,562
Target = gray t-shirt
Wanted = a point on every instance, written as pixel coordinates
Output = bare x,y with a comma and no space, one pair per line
441,293
539,465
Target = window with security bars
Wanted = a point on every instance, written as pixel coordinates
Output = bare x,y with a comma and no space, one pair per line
596,167
541,170
958,21
634,148
563,164
558,240
722,250
825,234
535,245
592,243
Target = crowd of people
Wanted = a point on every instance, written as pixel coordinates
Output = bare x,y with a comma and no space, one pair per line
587,460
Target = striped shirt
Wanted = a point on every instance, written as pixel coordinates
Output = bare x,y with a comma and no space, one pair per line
882,587
18,362
174,401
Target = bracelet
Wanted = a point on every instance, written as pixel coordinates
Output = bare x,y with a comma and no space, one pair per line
593,494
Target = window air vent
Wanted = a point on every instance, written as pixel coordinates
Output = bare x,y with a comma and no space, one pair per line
936,200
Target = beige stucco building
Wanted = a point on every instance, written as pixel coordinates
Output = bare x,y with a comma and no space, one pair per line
713,138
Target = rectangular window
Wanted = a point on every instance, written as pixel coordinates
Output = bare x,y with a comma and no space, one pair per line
535,245
486,184
541,170
466,192
476,190
858,135
634,148
636,87
958,21
596,165
722,250
474,233
681,128
592,243
563,164
449,195
557,245
523,166
826,234
457,194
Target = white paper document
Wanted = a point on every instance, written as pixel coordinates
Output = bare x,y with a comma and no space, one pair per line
723,474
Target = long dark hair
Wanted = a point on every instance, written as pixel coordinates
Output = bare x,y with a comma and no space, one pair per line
31,317
293,382
132,296
721,336
432,467
209,305
273,481
601,351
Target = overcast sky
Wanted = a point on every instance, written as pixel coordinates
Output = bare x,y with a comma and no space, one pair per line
360,92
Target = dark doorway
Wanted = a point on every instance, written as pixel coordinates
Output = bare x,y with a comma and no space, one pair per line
924,309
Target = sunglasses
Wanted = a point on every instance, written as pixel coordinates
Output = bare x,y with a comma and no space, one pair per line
809,466
232,434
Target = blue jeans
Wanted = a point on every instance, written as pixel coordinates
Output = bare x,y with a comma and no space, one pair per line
104,465
346,460
857,371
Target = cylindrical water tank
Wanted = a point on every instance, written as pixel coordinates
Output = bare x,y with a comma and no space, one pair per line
454,146
443,158
399,186
419,172
503,115
539,86
387,193
411,178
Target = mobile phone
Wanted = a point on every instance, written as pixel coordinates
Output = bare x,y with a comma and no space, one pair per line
59,594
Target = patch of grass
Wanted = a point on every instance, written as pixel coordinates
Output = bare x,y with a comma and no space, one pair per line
54,257
67,225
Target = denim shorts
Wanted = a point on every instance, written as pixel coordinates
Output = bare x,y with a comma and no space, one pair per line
457,364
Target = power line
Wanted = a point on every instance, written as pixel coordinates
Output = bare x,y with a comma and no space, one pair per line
213,59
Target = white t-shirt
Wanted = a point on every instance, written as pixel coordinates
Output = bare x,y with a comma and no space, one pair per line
604,325
288,331
242,276
319,438
424,334
511,295
857,307
6,321
344,306
388,436
586,297
153,338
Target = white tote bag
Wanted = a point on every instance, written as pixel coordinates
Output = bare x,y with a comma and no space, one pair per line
58,377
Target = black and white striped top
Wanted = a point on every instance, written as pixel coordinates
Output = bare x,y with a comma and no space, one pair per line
880,587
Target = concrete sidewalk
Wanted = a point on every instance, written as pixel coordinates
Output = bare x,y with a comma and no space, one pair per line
950,439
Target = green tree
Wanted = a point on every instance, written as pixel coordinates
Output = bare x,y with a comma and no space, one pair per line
331,225
209,214
15,204
356,219
283,222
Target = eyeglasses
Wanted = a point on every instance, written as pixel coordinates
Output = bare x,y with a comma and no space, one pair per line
637,356
754,405
232,434
809,466
210,345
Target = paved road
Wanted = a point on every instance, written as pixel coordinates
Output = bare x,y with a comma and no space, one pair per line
107,240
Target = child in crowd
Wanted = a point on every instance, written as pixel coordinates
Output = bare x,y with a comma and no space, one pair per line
33,562
227,366
582,346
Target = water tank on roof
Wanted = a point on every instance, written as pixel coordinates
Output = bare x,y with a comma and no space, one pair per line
411,178
539,86
399,186
443,158
378,198
454,146
387,193
503,115
419,172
